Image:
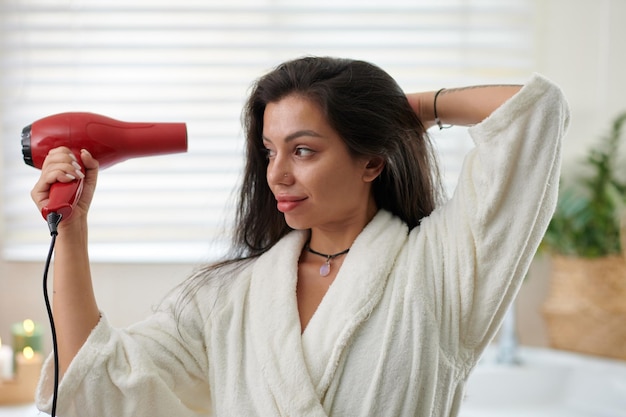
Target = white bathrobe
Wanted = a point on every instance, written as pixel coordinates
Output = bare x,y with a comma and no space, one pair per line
398,331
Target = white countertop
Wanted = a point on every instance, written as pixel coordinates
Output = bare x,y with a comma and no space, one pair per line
28,410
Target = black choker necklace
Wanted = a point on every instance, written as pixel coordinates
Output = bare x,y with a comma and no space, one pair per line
325,268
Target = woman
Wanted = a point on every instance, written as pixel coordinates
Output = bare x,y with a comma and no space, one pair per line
380,302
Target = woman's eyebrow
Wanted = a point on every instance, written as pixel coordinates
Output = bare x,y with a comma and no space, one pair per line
296,135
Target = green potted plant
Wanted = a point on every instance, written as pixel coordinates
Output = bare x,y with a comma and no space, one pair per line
586,307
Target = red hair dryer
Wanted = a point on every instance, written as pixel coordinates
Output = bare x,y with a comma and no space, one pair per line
109,141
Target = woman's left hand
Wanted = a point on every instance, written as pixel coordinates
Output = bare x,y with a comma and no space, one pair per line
422,105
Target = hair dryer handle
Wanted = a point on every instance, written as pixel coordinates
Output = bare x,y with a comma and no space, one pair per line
63,198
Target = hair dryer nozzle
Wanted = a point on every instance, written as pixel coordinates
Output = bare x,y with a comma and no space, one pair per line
26,151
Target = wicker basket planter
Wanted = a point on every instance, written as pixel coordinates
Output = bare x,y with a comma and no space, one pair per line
585,310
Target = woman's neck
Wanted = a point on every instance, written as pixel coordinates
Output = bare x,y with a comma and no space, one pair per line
337,237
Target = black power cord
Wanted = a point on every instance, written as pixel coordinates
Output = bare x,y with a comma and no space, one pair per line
53,220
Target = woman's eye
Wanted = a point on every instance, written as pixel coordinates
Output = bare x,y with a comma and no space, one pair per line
301,151
269,153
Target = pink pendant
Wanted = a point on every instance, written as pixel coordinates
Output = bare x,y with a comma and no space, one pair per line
325,269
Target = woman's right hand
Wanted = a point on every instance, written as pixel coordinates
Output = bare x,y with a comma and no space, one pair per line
61,165
74,304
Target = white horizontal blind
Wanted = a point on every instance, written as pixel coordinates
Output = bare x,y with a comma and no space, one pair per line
193,61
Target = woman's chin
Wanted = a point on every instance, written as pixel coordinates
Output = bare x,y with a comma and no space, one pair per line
296,223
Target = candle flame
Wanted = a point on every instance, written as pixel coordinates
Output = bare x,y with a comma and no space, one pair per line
28,352
29,326
0,342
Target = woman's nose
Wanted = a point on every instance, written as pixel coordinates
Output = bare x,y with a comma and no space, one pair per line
278,171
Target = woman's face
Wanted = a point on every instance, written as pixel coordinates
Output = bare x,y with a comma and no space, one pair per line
315,180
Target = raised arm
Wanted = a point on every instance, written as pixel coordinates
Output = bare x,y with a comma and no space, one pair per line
486,235
74,303
465,106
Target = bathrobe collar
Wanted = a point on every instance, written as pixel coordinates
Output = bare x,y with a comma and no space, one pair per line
299,367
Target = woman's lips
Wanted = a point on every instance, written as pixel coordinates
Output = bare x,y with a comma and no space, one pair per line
285,204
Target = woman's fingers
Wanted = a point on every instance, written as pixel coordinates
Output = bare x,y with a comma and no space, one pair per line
88,160
61,165
63,162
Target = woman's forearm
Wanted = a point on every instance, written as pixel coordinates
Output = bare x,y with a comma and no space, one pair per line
74,305
464,106
471,105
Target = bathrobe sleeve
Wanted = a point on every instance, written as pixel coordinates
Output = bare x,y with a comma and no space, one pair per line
483,240
156,367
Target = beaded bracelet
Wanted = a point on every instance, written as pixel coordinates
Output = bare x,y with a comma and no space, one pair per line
437,120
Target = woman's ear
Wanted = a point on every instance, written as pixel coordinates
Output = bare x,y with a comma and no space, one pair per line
374,166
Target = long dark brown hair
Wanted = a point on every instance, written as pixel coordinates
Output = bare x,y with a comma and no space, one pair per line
371,114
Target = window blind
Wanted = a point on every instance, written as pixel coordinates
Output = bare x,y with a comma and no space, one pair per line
193,61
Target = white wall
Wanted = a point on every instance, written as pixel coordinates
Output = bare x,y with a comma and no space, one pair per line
581,45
